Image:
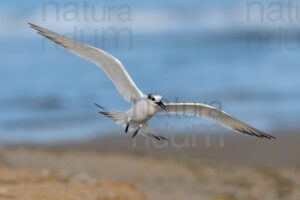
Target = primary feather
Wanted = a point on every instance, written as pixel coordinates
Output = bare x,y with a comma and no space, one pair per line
215,115
109,64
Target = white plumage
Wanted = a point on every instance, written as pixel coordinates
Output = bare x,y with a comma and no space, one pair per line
143,106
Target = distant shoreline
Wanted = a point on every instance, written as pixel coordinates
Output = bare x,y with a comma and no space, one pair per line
235,148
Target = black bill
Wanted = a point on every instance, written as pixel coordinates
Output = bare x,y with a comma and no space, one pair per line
163,106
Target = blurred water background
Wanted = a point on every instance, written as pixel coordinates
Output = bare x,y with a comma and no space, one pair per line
232,55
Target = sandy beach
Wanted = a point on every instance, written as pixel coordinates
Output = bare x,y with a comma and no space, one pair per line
111,169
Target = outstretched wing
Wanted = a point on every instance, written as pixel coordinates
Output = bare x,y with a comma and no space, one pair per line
109,64
215,115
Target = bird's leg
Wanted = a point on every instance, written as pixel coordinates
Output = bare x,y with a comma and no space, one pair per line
135,132
126,129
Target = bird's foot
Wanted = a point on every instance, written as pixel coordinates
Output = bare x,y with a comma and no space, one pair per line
126,129
135,132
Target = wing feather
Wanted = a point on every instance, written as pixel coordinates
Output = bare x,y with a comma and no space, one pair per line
109,64
215,115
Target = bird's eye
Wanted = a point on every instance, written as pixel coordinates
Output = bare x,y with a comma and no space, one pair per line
152,99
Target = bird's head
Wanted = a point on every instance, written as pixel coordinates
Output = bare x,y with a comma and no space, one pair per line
156,99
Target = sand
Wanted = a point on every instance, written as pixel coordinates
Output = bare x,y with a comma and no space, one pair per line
99,170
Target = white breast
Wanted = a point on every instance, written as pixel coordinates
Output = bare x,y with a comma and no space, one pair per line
142,111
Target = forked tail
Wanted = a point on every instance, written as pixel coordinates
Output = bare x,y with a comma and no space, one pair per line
119,118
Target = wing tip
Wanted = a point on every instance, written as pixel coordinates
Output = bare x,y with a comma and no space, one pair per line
270,137
39,29
263,135
256,133
32,25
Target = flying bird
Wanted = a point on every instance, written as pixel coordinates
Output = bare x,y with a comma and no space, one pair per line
144,106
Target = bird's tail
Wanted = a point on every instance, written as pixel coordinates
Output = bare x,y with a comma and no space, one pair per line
119,118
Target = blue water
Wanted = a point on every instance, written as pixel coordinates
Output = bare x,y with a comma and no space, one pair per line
47,94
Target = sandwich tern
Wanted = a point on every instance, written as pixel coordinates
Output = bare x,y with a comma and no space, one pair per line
144,107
